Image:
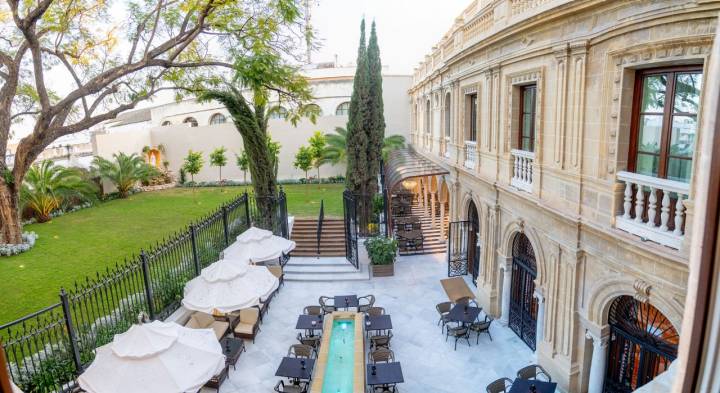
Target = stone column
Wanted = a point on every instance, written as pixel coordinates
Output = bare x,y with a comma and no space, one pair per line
442,220
507,277
540,329
433,223
598,362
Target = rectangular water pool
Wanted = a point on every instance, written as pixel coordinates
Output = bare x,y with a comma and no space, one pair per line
341,360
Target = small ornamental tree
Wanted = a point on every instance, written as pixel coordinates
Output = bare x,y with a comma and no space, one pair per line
123,171
243,163
219,159
304,160
193,164
317,148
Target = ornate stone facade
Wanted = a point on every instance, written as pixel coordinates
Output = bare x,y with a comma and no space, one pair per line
572,195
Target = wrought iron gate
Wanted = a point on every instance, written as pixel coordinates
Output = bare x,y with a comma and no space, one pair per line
523,306
643,343
473,249
351,233
458,246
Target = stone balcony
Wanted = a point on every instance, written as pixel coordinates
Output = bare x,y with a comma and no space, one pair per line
653,208
470,154
522,163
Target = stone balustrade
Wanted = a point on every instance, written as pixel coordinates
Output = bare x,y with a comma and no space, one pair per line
522,169
653,208
446,145
470,154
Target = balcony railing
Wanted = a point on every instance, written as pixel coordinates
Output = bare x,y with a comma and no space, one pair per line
522,169
446,144
470,154
653,208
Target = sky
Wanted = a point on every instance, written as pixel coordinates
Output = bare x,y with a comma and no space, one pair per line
407,29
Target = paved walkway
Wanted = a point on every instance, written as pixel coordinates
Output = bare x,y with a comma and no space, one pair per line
429,363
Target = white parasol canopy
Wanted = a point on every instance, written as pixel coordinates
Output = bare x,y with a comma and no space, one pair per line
227,286
258,245
156,357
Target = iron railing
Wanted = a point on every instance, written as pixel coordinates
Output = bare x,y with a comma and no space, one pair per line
48,349
321,217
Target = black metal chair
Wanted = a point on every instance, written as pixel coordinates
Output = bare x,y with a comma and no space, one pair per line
481,327
375,311
300,387
380,341
365,303
382,355
458,333
313,310
532,372
311,341
444,310
301,351
326,308
500,385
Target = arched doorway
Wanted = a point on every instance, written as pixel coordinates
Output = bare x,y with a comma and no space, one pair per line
473,249
523,305
643,343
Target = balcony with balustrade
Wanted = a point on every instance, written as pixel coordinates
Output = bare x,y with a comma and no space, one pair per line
653,208
470,154
522,175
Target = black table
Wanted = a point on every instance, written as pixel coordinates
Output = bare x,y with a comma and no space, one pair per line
232,348
305,322
523,386
464,314
292,368
379,322
352,301
385,374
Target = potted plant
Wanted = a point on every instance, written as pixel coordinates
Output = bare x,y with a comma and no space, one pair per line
382,251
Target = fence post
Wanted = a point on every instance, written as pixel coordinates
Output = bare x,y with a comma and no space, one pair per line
148,284
225,225
71,330
193,241
247,210
283,214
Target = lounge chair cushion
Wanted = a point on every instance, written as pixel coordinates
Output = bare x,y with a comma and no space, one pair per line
244,328
205,321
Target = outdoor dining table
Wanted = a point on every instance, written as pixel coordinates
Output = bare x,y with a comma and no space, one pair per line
524,386
378,323
384,374
464,313
345,302
305,322
293,368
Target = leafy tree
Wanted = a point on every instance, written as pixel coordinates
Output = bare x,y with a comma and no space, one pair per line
219,159
317,148
357,139
375,126
123,171
304,160
260,75
47,187
160,45
243,163
336,150
193,164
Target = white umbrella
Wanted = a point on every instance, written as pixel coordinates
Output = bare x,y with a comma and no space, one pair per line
227,286
258,245
156,357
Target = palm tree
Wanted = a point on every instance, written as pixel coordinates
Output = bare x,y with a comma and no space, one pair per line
123,171
47,187
335,151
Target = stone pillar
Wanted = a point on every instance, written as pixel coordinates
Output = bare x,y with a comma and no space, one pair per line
540,329
507,277
598,362
442,220
432,210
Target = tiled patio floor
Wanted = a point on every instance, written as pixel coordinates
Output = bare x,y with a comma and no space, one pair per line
429,363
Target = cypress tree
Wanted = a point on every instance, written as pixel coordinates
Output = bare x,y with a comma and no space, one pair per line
375,122
357,137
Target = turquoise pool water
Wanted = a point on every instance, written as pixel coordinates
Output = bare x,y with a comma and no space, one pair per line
340,366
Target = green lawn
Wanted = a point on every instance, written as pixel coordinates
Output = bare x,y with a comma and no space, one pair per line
82,243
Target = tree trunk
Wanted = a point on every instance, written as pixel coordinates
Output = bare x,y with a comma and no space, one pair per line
10,225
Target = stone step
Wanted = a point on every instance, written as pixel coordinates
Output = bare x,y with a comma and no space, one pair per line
324,269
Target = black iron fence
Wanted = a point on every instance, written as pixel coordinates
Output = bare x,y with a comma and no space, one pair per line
48,349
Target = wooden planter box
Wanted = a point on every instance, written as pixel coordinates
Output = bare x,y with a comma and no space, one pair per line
383,270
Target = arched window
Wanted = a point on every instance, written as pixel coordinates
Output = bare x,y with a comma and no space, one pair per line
166,123
217,118
191,121
342,109
447,115
315,107
427,117
278,112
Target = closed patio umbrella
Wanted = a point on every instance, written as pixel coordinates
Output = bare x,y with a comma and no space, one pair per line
156,357
258,245
227,286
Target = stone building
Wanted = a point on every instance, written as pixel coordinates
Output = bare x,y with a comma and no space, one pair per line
568,129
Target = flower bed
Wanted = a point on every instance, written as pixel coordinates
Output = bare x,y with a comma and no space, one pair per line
28,241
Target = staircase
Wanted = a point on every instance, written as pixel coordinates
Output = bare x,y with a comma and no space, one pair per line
432,242
313,269
332,240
